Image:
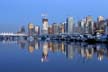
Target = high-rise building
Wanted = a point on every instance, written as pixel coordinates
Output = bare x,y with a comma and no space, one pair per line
31,29
21,30
95,27
55,28
106,26
69,25
81,26
45,26
89,26
37,30
100,18
50,31
101,24
61,27
65,27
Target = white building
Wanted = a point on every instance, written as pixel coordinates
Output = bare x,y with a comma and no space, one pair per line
45,26
69,25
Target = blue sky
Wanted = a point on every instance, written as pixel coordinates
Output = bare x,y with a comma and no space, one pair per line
15,13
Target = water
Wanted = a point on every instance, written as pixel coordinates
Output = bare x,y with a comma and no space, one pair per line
47,56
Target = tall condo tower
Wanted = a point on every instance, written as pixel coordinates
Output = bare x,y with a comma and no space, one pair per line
44,24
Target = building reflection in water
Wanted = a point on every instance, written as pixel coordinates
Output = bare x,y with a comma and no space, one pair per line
70,50
22,43
37,45
44,52
31,46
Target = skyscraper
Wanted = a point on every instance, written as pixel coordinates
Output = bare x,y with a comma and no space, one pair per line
22,30
37,30
89,27
50,31
61,28
100,18
81,26
31,29
69,25
45,26
55,28
101,24
106,26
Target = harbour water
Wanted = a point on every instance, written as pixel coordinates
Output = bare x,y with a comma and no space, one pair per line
53,56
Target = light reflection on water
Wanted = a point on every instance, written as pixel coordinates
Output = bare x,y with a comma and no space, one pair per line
68,49
52,53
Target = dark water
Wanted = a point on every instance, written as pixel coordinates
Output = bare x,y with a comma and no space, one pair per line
40,56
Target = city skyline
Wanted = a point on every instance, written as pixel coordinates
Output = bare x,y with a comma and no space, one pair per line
16,13
53,35
85,25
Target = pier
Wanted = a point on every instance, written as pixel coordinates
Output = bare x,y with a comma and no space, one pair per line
12,36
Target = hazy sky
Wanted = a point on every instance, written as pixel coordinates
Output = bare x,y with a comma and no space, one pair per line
15,13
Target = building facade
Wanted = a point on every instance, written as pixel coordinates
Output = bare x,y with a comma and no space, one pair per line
45,26
89,26
31,29
69,25
37,30
55,28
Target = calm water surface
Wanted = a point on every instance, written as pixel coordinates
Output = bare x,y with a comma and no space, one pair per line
47,56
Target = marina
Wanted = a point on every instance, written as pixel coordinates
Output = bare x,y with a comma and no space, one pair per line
102,38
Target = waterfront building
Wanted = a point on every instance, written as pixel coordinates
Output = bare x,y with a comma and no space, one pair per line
81,26
101,27
101,24
37,30
86,26
55,28
50,30
95,27
45,26
61,28
106,26
69,25
89,26
100,18
21,30
31,29
65,27
77,30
